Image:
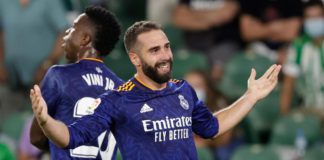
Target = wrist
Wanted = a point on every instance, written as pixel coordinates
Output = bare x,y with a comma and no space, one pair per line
250,97
42,122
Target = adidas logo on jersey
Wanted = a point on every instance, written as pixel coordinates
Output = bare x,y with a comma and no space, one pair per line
146,108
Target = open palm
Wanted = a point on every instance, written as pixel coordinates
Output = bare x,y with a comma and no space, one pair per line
39,105
261,87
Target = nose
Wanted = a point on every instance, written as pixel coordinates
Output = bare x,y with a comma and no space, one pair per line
167,54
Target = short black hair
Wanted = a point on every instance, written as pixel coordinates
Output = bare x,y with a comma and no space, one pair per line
312,3
136,29
107,29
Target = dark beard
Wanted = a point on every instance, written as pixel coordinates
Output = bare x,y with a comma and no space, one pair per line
152,72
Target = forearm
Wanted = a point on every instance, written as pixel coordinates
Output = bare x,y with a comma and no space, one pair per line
56,53
252,29
37,137
288,30
232,115
57,132
190,19
183,18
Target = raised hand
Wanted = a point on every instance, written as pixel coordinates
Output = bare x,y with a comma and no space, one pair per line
39,105
264,85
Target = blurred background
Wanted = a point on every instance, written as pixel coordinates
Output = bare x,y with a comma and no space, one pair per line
215,45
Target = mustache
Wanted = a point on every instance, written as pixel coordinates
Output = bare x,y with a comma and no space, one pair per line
158,64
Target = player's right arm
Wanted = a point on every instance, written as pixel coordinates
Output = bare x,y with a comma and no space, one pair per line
55,130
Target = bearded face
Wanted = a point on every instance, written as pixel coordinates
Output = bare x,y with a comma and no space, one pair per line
161,72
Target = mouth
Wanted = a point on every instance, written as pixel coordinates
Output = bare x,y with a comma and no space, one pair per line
164,67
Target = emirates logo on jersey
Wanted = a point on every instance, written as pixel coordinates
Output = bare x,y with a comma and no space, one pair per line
183,102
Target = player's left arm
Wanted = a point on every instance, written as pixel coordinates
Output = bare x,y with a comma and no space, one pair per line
37,137
257,89
55,130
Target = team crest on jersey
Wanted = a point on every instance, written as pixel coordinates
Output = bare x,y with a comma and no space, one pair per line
183,102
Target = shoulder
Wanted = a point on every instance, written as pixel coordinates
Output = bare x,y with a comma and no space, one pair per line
62,67
111,97
179,83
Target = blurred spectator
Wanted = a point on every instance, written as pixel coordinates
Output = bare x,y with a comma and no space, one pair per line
32,32
5,153
211,27
274,23
26,151
30,39
199,80
227,143
160,11
304,68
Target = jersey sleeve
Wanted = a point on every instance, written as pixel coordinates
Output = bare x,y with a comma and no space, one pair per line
51,90
89,127
203,121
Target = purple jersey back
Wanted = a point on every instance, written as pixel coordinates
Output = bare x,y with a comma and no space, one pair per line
70,91
149,124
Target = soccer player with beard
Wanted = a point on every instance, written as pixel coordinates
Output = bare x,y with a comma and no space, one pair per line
69,90
151,116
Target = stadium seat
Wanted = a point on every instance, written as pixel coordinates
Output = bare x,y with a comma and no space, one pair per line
237,71
204,154
285,129
315,153
234,84
255,152
175,36
263,116
185,60
13,125
118,61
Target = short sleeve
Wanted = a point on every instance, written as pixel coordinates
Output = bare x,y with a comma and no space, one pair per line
51,90
291,67
204,123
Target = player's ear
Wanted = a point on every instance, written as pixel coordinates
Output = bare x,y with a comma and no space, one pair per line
134,58
85,39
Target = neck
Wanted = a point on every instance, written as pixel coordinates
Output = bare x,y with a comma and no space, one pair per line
88,52
148,82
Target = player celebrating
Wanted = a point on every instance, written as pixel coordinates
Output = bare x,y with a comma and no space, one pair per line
69,90
151,116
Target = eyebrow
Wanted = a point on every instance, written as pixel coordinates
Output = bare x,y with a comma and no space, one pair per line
154,48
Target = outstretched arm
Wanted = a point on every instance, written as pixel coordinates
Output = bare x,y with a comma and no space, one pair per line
257,89
55,130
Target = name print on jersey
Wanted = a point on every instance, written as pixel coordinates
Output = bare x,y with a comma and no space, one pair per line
168,129
93,79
